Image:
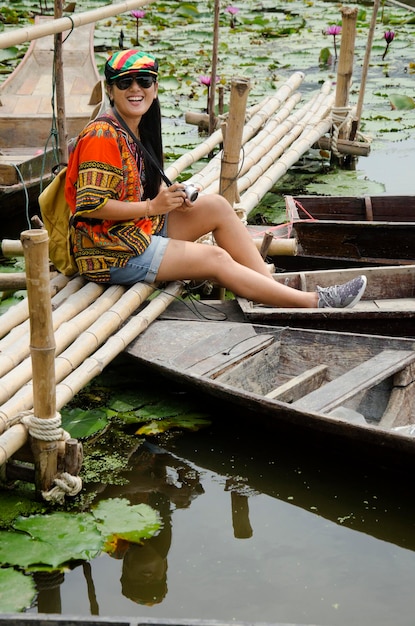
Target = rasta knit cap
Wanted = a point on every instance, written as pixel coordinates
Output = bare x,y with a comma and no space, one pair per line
130,62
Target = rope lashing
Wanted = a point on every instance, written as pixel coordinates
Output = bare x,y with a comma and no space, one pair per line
341,118
45,429
50,430
66,485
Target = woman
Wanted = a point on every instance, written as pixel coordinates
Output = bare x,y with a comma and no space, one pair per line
129,226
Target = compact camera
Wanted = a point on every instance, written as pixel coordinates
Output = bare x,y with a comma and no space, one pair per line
191,192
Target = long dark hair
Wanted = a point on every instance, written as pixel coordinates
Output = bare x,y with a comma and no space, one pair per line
151,138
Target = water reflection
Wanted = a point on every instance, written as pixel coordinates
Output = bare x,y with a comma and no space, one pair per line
331,482
165,483
264,525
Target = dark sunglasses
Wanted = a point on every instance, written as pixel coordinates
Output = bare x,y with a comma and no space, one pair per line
142,81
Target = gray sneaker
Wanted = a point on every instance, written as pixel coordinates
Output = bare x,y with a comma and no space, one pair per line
342,296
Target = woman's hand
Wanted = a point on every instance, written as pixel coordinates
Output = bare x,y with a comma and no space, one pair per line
171,198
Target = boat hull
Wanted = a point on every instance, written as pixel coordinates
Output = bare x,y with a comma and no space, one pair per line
387,306
28,120
273,373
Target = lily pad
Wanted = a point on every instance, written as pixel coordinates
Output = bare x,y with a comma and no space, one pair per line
131,523
402,102
48,542
53,539
81,423
17,591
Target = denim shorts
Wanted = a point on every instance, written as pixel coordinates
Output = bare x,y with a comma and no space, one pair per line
145,267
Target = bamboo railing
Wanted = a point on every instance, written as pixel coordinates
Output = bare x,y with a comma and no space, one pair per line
61,24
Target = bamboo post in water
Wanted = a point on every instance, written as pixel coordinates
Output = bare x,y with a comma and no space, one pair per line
42,347
233,140
359,107
345,69
212,86
58,72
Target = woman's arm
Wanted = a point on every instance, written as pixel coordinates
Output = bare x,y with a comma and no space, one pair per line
168,199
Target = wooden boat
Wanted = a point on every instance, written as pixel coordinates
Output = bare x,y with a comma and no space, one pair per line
375,229
343,232
27,119
387,306
356,388
378,208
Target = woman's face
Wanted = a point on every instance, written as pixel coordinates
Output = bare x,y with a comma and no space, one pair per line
133,95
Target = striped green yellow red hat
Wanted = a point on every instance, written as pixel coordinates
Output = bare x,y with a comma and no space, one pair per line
130,62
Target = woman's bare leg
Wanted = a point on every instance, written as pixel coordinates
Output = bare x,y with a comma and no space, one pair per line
212,213
235,263
197,261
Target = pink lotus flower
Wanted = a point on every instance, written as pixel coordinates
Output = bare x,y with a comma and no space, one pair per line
334,30
389,36
137,15
206,80
232,10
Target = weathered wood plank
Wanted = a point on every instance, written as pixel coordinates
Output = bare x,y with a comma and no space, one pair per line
362,377
384,208
300,385
213,355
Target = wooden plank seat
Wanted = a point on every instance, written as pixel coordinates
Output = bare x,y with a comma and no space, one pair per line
300,385
360,378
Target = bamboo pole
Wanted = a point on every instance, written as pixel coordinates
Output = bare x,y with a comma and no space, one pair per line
208,177
259,117
307,116
66,334
278,247
11,247
359,106
28,33
259,145
232,147
58,72
213,73
12,354
267,150
345,146
11,441
84,345
345,67
117,343
252,197
19,313
279,139
210,172
12,281
42,347
94,365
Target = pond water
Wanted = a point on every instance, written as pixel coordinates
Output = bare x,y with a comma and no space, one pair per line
257,527
391,166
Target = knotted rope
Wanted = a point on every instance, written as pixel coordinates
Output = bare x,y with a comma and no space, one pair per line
50,430
341,118
66,484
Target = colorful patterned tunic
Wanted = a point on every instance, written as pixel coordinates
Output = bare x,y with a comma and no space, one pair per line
102,165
